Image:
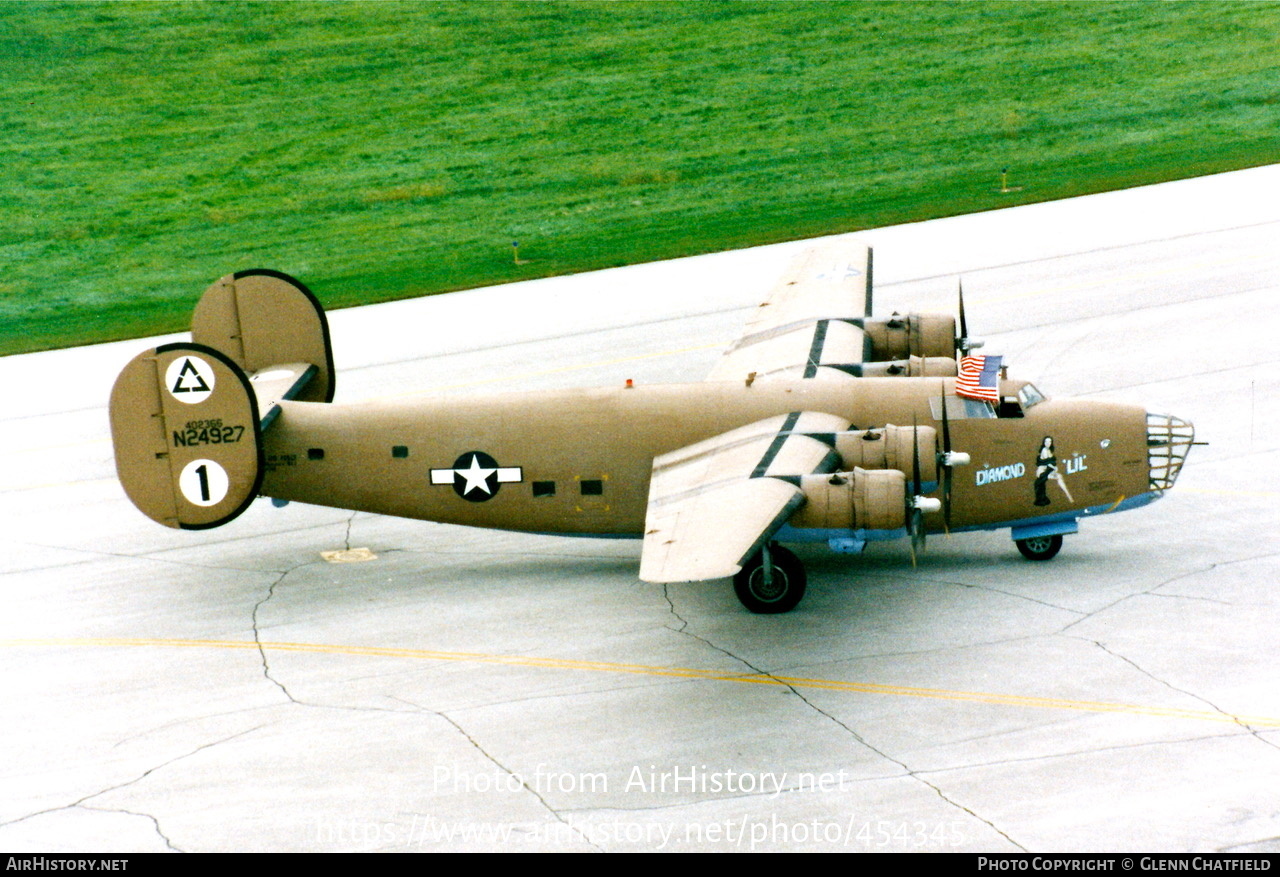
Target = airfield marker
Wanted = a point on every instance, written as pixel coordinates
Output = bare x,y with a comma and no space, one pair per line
1005,189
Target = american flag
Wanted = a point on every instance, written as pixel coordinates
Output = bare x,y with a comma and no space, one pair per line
979,378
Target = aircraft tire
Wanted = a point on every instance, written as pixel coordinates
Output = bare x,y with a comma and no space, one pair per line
1039,547
785,590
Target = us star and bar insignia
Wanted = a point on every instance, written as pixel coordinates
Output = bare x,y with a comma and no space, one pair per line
476,476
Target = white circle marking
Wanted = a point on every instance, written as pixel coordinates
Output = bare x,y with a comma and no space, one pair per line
204,482
189,379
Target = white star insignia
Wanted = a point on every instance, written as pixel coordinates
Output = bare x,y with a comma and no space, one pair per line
476,475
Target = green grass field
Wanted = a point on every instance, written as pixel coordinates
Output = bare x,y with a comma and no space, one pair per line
384,150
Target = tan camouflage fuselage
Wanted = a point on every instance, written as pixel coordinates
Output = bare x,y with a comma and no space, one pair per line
590,451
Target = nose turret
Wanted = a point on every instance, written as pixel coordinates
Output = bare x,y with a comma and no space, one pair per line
1168,440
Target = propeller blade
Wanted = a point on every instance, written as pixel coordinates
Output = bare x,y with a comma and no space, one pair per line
915,458
868,279
915,520
963,344
946,424
913,512
946,500
946,467
917,534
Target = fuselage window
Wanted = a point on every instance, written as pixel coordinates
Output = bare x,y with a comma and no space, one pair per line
1029,396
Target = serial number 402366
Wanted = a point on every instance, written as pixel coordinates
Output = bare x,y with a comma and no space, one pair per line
206,432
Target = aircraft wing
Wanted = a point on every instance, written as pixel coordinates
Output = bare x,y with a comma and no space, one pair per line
809,320
712,504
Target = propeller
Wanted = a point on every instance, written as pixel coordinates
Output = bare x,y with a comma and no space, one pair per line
918,504
947,459
916,524
945,466
867,303
963,342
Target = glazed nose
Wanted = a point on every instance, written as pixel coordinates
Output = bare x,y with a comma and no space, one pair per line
1169,439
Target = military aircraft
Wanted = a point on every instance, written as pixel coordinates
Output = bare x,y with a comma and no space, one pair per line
821,424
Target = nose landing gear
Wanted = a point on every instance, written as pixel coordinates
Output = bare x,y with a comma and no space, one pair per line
1039,547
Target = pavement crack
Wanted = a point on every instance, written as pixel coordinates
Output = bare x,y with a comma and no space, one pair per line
508,771
347,537
1191,597
908,771
1204,700
257,637
666,595
1011,594
1150,592
743,661
80,802
154,822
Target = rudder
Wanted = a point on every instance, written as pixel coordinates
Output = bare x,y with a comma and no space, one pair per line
259,318
187,436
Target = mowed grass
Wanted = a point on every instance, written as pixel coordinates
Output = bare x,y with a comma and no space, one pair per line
384,150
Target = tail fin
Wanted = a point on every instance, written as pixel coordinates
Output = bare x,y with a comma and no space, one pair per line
187,419
188,441
262,318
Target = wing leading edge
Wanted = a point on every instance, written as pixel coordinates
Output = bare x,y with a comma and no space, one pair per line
712,504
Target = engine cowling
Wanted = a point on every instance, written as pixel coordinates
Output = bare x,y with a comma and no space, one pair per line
863,499
900,337
890,447
911,367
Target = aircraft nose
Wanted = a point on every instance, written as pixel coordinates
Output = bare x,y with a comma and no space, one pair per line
1169,439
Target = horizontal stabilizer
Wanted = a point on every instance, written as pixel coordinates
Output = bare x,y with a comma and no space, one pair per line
278,383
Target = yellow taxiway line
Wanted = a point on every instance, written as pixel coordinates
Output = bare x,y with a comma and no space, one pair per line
1015,700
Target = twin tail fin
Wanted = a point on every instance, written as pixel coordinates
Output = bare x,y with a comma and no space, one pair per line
187,419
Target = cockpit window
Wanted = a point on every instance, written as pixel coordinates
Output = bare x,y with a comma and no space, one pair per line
959,408
1029,396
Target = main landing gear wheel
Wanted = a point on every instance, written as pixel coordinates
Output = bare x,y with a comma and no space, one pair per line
778,591
1039,547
